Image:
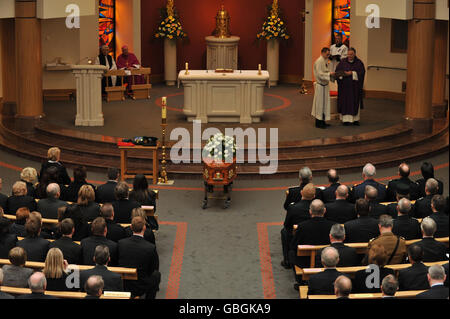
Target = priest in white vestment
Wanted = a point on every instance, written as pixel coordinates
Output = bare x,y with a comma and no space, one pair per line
321,103
338,52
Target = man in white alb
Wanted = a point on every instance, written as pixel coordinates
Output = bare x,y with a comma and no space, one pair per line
321,103
338,51
105,59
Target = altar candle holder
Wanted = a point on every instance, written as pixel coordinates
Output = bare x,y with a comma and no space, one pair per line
259,69
163,178
187,69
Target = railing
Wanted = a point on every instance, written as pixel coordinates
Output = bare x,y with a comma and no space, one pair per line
378,67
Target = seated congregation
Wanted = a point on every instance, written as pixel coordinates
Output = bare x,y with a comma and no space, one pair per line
53,229
335,238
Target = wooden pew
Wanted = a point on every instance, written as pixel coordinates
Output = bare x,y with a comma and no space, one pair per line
303,292
307,272
141,91
361,248
67,294
115,93
126,273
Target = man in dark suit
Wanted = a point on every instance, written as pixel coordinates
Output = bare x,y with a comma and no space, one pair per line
347,255
368,175
71,251
37,284
99,231
342,287
329,193
436,278
123,206
323,282
94,287
364,228
340,211
53,156
3,197
19,198
427,170
294,193
136,252
432,249
7,240
105,192
389,287
112,281
35,246
404,225
414,277
48,207
115,231
437,206
403,171
423,205
402,191
375,208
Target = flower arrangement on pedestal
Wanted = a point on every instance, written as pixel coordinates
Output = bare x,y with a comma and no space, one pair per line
273,27
170,26
220,148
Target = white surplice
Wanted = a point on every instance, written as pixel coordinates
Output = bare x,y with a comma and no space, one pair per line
321,103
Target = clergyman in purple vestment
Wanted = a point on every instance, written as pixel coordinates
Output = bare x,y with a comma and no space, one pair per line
128,61
350,88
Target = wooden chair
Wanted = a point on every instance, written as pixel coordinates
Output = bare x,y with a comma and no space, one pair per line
67,294
115,93
141,91
303,292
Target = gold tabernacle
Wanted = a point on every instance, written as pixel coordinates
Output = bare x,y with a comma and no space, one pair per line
222,24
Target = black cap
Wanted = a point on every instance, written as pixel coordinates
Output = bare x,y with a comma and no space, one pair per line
403,189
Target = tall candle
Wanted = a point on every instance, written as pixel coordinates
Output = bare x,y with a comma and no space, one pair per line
164,109
187,66
164,100
259,68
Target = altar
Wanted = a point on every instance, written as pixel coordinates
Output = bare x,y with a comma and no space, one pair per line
235,97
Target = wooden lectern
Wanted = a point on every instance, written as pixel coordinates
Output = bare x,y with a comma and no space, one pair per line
141,91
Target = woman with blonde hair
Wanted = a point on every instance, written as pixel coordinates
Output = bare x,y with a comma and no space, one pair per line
148,234
29,176
86,201
55,270
19,198
53,157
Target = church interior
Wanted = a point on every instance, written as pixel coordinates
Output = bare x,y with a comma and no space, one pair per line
143,88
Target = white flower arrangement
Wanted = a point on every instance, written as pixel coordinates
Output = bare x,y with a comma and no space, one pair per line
220,148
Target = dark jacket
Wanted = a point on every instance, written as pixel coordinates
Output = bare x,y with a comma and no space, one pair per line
347,256
323,282
18,229
71,192
71,251
359,281
297,213
89,244
31,191
63,177
35,295
441,220
3,199
122,210
294,195
423,207
358,191
391,193
421,186
136,252
113,281
36,248
58,284
329,193
435,292
414,277
48,207
7,242
115,231
376,209
105,192
15,202
407,227
361,230
433,250
5,296
149,235
340,211
90,211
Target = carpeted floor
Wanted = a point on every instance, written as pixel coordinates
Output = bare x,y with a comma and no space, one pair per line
294,122
220,254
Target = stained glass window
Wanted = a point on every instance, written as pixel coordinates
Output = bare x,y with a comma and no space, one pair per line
107,24
341,20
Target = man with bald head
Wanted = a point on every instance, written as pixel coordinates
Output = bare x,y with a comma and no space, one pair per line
340,211
423,204
94,287
375,208
368,174
323,282
37,284
104,58
48,207
329,193
342,287
403,171
314,231
404,225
